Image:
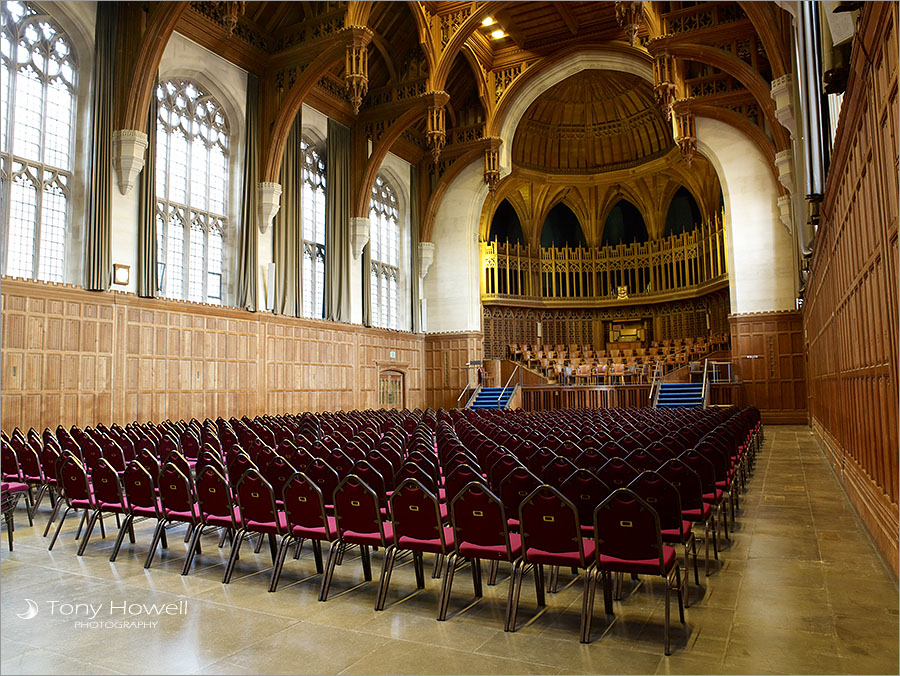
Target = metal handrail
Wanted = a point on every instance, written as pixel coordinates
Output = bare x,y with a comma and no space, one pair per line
515,371
706,383
462,394
655,383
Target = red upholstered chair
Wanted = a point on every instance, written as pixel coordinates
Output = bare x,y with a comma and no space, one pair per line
557,471
628,541
143,500
617,473
108,498
76,490
307,519
359,521
418,527
551,535
480,532
585,490
643,460
217,509
9,496
693,507
259,514
674,529
515,488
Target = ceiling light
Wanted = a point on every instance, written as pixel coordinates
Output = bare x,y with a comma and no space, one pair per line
488,21
497,34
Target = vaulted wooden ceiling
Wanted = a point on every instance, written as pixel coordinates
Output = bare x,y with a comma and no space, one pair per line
592,121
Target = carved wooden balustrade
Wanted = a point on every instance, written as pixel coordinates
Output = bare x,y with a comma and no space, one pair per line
673,267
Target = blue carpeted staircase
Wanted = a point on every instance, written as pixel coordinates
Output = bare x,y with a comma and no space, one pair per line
688,395
490,397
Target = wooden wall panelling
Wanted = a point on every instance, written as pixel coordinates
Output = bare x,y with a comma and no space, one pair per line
850,307
446,356
767,348
75,357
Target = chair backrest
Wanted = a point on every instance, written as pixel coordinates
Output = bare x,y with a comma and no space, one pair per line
190,446
90,451
585,490
372,478
180,462
613,449
256,500
140,487
74,477
304,504
590,459
277,472
515,487
685,480
213,493
709,450
29,463
549,523
702,466
642,460
505,463
557,470
539,459
661,496
322,474
478,518
175,489
626,527
148,460
458,478
106,484
416,514
238,465
617,473
377,460
49,462
357,508
339,462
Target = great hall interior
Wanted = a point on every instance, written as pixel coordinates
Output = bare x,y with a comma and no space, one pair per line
601,296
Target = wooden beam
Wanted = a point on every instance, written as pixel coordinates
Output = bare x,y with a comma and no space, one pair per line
567,17
509,27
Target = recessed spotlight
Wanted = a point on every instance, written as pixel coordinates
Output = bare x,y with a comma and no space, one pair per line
497,34
488,21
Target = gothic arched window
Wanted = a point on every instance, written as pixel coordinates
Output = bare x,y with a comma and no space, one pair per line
37,119
384,243
191,191
312,206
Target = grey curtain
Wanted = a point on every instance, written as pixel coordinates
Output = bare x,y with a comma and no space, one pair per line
247,254
367,285
288,233
98,228
147,269
336,306
416,309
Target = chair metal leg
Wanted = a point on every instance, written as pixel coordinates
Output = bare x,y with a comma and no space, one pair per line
386,569
258,548
87,533
298,548
516,590
419,567
81,524
317,555
279,562
680,581
336,549
192,548
273,548
476,577
538,572
235,552
667,618
366,562
492,573
126,527
62,520
607,592
587,605
438,566
53,514
9,528
158,535
446,587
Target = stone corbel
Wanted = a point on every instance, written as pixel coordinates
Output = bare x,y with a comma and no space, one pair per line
129,147
782,89
269,203
359,235
784,161
784,208
426,258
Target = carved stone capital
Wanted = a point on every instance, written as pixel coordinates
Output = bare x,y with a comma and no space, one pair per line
129,147
359,235
426,258
269,202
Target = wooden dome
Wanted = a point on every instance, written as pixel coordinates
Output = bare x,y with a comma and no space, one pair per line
593,121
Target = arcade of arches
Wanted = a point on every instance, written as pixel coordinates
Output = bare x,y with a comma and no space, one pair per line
228,208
